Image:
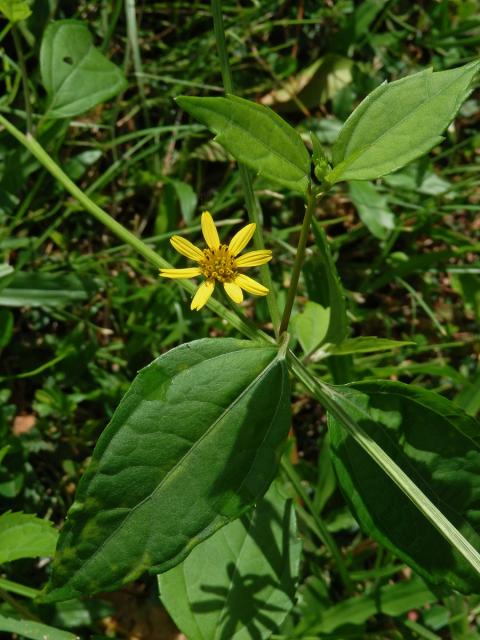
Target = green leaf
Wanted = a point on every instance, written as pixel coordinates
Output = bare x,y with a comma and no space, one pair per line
390,600
363,344
45,290
6,327
5,270
75,74
372,209
437,446
240,582
256,136
187,198
193,444
33,630
310,326
399,122
15,10
469,397
25,536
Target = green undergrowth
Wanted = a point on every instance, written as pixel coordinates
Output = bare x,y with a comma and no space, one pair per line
81,314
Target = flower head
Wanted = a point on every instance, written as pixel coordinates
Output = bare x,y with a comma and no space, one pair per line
220,263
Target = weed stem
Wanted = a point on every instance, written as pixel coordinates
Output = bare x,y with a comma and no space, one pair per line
23,71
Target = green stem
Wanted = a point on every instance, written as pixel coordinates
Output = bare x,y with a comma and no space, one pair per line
253,207
23,71
299,258
115,15
324,533
19,589
132,33
119,230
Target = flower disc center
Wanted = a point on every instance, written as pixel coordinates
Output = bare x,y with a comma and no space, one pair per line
219,264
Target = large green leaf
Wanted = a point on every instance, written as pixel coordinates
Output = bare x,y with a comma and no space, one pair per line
437,446
193,444
239,583
76,75
15,10
256,136
25,536
399,122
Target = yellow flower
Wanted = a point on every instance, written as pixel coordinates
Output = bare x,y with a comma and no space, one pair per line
219,263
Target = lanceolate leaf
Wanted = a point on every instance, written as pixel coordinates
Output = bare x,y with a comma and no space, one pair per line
25,536
256,136
240,583
363,344
390,600
372,208
76,75
399,122
438,446
193,444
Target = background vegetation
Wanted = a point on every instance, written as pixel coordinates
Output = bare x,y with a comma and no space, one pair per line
81,314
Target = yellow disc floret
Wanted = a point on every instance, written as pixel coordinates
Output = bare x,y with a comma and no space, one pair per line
219,264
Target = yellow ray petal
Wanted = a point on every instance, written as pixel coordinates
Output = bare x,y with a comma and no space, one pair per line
241,239
209,231
186,248
250,285
254,258
180,273
234,291
204,292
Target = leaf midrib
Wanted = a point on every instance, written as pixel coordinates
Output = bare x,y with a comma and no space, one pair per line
231,123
